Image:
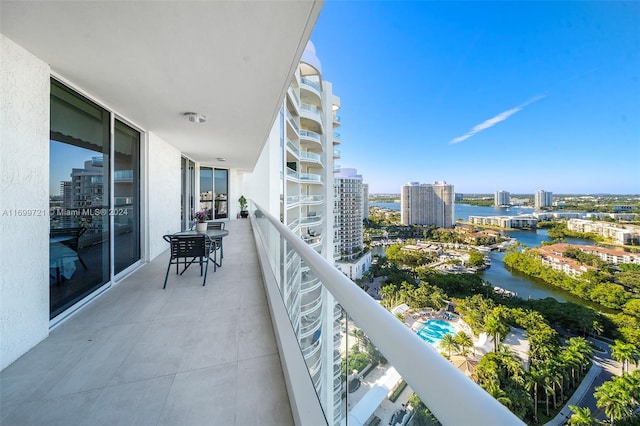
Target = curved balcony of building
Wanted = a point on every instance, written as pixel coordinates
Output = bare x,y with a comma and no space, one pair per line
292,201
309,136
309,200
336,154
310,178
314,363
337,138
311,349
312,283
292,121
311,118
311,219
310,325
294,224
336,120
293,98
313,240
310,157
310,87
293,149
310,303
293,175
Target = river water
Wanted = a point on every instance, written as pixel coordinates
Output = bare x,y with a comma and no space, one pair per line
498,275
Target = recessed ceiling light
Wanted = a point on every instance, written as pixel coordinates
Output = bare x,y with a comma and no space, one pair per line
195,117
221,159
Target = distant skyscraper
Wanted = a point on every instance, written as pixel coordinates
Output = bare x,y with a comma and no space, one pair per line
427,204
543,199
502,198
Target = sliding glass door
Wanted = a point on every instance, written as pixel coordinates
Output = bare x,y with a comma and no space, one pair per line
188,179
79,198
126,196
214,188
83,221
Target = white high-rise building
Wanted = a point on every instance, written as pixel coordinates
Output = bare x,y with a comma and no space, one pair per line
365,201
299,157
502,198
349,254
427,204
543,199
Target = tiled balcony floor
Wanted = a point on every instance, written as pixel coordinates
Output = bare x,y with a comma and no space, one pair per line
187,355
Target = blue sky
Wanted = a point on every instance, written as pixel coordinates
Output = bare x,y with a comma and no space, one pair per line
500,95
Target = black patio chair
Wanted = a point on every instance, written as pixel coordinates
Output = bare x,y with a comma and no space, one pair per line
217,225
197,248
72,241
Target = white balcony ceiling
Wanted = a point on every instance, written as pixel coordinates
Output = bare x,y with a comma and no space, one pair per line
152,61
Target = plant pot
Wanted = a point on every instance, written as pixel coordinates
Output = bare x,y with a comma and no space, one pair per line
201,227
244,214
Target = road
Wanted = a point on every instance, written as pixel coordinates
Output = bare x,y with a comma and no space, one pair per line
608,368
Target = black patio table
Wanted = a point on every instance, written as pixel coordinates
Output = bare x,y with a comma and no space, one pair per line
214,234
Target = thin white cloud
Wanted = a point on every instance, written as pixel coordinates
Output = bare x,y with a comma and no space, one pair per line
495,120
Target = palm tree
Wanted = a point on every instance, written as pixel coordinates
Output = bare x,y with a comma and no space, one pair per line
582,349
501,396
534,379
464,341
580,417
449,343
548,385
571,359
624,353
496,328
610,396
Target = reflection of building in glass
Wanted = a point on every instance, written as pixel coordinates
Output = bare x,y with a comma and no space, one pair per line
87,185
82,198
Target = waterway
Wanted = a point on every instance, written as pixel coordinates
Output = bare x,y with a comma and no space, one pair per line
498,275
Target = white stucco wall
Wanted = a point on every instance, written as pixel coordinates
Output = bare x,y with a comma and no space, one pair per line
163,189
262,185
24,188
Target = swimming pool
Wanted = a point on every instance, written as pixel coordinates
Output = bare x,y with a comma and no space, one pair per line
434,330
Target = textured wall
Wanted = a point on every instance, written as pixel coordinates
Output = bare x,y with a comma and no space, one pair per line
24,201
262,185
163,213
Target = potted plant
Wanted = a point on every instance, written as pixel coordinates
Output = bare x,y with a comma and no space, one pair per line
201,220
244,213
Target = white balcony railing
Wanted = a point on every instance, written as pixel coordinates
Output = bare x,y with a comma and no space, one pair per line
450,395
310,135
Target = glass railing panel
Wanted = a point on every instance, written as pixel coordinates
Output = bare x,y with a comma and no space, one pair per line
311,83
292,121
310,177
293,173
355,350
310,156
294,95
293,147
309,134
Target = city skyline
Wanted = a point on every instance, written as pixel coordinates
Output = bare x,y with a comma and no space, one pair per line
488,96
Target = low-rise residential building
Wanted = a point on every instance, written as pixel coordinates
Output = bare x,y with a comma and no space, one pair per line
515,222
553,256
620,233
616,216
608,255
